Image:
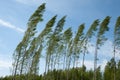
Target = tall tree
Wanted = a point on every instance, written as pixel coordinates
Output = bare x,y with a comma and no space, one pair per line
86,40
29,34
109,70
67,35
34,68
78,38
37,46
88,36
100,40
116,40
53,43
118,71
34,20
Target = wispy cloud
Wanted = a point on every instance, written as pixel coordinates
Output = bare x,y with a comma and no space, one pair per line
105,49
11,26
67,7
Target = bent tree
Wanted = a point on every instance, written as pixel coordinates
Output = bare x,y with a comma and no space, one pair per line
19,53
116,42
60,47
37,47
100,40
86,40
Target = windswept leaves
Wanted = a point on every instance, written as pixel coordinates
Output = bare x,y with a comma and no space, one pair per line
59,47
28,37
67,35
103,28
92,29
117,33
79,35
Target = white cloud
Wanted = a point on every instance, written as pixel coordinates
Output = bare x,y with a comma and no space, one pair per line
11,26
103,64
104,54
105,50
5,64
90,64
5,60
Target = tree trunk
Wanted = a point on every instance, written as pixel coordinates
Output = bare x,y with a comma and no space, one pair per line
16,67
82,74
114,64
95,62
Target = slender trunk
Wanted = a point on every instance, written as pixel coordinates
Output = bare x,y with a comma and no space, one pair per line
49,62
74,60
95,62
58,69
82,74
114,64
69,61
22,64
16,67
46,67
65,57
64,62
46,63
52,62
14,78
68,67
55,61
83,59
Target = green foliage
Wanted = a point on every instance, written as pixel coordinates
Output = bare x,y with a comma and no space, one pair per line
48,28
109,70
61,49
74,73
20,52
100,40
103,28
117,33
79,35
67,34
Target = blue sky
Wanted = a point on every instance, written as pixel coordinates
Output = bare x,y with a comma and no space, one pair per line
14,15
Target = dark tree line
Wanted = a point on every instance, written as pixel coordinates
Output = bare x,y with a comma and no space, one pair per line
75,73
62,48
